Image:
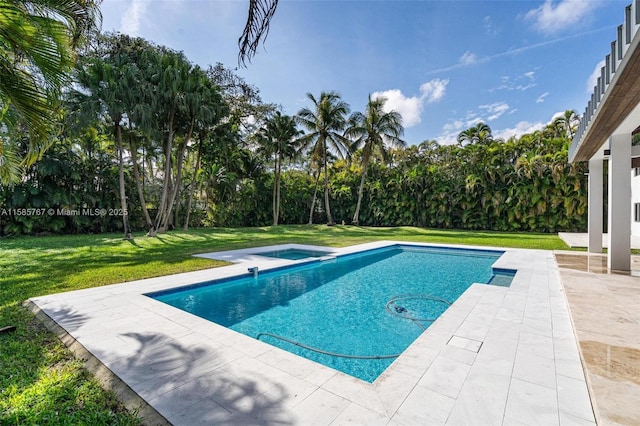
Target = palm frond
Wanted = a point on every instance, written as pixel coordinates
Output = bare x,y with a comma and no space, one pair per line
256,28
10,164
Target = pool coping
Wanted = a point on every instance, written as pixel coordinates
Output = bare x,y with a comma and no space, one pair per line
497,355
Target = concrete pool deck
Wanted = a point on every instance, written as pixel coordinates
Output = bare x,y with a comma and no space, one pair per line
498,355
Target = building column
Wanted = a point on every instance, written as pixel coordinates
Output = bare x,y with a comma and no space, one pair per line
595,205
619,215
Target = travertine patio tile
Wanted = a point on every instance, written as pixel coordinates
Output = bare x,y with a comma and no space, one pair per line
320,408
203,413
573,398
424,406
531,404
536,344
482,400
569,420
536,326
457,354
445,376
357,391
536,369
392,389
295,365
184,397
509,315
356,414
291,391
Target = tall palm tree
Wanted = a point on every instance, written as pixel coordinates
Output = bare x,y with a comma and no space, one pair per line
108,85
324,124
374,131
38,39
278,139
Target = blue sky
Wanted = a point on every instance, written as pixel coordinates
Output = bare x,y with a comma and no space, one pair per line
444,65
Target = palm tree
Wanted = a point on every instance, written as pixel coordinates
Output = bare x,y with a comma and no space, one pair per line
480,134
324,124
109,84
277,138
373,130
38,39
567,123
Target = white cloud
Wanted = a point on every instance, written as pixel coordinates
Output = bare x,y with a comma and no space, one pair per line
488,26
410,108
130,22
593,78
521,128
541,97
521,82
454,126
554,16
484,113
434,90
495,109
468,58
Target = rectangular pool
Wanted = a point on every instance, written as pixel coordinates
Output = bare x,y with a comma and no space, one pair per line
355,313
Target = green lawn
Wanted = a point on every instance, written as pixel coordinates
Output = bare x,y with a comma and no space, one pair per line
42,383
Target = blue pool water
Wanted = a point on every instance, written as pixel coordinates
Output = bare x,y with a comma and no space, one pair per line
374,303
293,253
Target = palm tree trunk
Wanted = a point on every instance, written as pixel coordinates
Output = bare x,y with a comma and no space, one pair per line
178,181
165,188
330,221
193,184
365,165
162,207
313,199
136,175
275,185
279,180
123,195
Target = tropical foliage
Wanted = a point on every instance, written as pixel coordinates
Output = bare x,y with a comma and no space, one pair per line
38,39
151,141
373,130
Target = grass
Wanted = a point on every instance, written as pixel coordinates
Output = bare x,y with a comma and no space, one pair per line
40,380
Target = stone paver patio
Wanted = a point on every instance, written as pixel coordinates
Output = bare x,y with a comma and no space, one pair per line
605,309
496,356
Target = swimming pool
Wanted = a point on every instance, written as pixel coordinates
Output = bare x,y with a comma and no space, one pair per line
355,313
293,253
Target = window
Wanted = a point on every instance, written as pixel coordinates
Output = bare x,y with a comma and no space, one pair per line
636,212
636,171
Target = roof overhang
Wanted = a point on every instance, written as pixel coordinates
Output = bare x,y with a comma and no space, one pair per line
619,109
